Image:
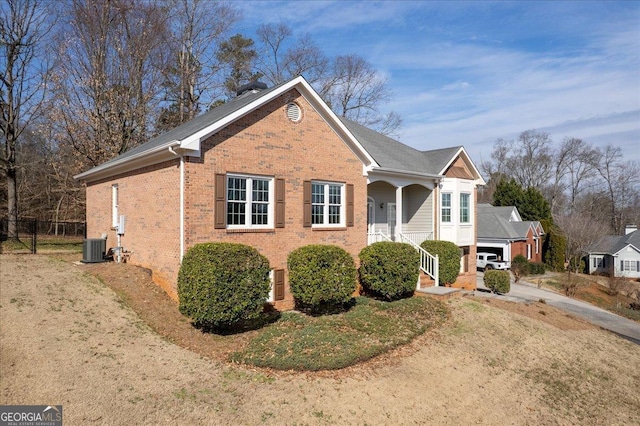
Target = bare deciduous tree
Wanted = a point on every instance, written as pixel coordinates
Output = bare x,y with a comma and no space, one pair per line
281,58
191,81
531,162
23,27
621,179
350,85
356,90
109,76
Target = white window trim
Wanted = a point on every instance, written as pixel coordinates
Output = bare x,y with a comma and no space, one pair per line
325,211
449,207
468,207
528,251
629,266
272,290
115,217
249,201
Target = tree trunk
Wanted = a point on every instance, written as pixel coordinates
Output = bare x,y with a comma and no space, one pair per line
12,204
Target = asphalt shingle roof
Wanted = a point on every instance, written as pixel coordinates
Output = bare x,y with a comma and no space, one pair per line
387,152
196,124
494,222
392,154
612,244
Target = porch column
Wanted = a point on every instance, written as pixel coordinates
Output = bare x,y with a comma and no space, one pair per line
398,213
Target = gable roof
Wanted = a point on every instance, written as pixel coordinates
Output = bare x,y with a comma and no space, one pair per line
195,125
376,151
613,244
506,212
393,155
498,223
185,139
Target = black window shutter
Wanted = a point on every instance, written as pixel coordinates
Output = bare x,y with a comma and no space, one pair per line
220,207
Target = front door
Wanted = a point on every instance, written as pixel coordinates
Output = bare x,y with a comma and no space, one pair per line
391,220
371,216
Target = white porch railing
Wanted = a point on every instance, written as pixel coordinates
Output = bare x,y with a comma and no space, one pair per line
418,237
428,263
376,237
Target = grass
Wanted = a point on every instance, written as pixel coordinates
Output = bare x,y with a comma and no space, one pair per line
301,342
592,292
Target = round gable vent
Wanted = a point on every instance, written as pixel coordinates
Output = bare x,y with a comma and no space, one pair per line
293,112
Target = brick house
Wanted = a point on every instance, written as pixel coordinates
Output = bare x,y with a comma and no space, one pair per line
502,231
276,169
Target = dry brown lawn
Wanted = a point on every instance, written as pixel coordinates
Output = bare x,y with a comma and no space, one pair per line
114,350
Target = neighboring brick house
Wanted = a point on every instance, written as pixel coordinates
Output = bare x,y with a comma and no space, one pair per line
502,231
275,169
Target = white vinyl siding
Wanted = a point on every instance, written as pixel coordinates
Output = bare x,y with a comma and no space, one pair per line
418,211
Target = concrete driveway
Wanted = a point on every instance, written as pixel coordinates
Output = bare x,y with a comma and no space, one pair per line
528,292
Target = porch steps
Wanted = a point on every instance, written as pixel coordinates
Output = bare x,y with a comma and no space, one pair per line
442,293
426,280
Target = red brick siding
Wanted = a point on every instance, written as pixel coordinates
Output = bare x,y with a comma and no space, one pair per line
520,248
266,142
150,200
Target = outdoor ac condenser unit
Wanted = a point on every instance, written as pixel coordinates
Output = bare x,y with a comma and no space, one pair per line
93,250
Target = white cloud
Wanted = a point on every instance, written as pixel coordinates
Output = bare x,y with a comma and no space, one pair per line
471,72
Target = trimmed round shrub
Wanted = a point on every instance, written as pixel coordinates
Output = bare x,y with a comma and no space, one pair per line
389,270
448,258
497,281
321,276
221,284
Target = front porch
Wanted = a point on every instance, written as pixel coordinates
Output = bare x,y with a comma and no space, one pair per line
400,210
403,211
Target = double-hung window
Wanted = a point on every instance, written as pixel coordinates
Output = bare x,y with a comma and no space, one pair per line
465,208
249,202
327,204
446,208
629,265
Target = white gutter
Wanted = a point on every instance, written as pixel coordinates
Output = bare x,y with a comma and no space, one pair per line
117,162
171,150
406,173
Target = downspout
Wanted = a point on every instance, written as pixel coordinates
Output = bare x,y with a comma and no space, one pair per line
171,150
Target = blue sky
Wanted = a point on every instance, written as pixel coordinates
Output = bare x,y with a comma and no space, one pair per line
468,73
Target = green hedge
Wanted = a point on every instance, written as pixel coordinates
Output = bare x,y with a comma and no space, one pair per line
536,268
448,256
221,284
497,281
321,277
389,270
